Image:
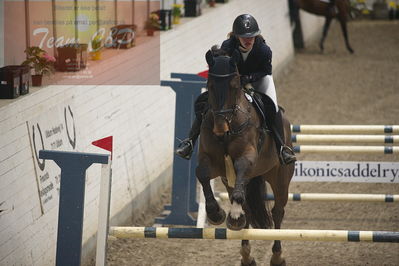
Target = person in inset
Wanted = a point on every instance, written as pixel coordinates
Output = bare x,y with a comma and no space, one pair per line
255,68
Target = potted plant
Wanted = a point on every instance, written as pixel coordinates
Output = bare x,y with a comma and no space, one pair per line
96,46
41,63
152,24
176,13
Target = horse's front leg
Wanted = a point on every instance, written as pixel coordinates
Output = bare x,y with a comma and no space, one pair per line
236,219
215,214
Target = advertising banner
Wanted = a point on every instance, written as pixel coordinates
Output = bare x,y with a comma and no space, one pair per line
346,171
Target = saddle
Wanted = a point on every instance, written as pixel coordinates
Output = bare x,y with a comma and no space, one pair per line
258,104
266,109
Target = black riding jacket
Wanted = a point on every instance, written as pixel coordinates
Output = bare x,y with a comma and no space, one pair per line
259,60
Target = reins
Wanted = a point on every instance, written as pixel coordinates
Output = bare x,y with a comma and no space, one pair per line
228,115
219,72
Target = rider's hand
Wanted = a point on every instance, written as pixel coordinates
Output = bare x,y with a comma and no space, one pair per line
245,79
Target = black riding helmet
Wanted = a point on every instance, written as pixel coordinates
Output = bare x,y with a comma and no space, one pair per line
245,26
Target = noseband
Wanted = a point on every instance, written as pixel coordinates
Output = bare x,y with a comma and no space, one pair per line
228,114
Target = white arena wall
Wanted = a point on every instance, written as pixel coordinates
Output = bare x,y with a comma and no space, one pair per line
141,119
312,27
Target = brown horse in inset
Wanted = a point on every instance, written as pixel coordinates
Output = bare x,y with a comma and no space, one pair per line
321,8
232,128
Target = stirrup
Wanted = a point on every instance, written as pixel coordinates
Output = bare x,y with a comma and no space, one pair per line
286,155
185,149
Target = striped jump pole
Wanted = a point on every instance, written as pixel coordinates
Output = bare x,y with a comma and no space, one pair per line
332,197
323,138
345,129
255,234
346,149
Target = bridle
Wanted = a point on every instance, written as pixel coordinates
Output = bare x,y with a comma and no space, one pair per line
228,114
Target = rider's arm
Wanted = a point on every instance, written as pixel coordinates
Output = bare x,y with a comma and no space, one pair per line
265,63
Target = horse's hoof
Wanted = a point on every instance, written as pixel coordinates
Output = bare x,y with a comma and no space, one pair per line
253,263
216,218
236,224
282,263
351,50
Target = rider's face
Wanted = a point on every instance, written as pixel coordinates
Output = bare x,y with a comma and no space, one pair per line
247,42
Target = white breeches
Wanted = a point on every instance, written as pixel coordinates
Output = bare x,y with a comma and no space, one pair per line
266,86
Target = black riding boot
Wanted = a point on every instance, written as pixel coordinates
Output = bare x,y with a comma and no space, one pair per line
186,147
285,153
274,121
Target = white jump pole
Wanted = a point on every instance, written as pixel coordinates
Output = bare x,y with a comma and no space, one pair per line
346,149
345,129
255,234
104,202
333,197
103,214
324,138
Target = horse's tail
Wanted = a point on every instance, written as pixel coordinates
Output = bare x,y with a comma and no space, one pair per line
255,197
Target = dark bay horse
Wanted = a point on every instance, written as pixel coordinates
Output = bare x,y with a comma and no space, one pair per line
232,127
321,8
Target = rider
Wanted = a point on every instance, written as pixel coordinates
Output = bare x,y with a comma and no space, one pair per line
255,68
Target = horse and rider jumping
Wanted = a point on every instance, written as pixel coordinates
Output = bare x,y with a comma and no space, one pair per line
239,120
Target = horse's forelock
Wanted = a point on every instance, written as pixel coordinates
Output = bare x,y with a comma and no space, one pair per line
217,51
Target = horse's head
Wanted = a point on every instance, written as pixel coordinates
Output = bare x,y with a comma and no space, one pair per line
223,86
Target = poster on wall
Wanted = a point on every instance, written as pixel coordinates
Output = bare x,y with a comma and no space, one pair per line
53,130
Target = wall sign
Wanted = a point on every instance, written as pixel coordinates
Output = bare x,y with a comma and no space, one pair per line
53,130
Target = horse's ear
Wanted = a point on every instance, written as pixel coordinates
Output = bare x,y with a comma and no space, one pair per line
235,58
209,58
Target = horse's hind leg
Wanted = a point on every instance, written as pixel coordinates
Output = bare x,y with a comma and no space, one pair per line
247,259
325,31
342,21
278,215
279,186
215,214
